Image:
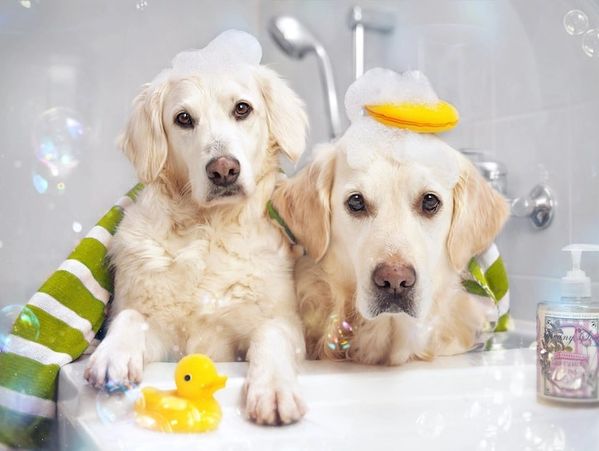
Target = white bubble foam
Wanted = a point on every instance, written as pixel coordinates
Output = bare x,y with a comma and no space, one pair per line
367,139
230,49
379,86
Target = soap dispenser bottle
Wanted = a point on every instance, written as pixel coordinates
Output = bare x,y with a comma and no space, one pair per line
568,338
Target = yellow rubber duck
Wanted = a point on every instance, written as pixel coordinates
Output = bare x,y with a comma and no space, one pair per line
417,117
189,408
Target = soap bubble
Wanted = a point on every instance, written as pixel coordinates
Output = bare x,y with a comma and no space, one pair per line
590,42
430,424
22,320
39,183
339,334
77,227
116,403
576,22
230,50
59,138
141,5
542,435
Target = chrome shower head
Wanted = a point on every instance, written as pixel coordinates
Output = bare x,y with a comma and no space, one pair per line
296,41
293,38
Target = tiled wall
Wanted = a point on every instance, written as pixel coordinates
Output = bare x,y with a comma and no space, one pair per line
527,93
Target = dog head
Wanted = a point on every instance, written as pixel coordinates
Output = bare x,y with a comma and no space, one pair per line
399,221
214,132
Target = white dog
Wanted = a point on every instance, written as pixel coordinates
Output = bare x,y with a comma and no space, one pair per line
198,266
389,219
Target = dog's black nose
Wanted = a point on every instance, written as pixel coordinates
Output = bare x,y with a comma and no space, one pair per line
394,278
223,171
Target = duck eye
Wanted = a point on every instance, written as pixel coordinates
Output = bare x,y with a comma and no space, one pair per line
242,110
430,204
187,377
184,120
355,203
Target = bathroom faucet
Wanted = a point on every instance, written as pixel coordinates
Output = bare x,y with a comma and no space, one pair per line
540,203
359,20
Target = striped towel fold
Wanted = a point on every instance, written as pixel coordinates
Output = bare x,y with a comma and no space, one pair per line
69,309
489,279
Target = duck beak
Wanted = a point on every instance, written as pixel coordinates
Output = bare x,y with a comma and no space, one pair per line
218,383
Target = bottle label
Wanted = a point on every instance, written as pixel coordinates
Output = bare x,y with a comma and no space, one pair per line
567,352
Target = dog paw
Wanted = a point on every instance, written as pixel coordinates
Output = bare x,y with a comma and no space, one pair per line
270,404
110,367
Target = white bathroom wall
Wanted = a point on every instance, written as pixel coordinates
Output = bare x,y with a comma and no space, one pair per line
526,92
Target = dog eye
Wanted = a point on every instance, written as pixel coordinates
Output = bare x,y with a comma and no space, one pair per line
430,204
242,110
184,120
187,377
356,203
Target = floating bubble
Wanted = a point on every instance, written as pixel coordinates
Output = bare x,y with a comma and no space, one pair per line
25,3
339,334
116,403
576,22
77,227
20,320
590,42
1,244
542,435
141,5
59,136
39,183
430,424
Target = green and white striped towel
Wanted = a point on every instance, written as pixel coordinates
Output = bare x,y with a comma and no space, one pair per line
490,279
70,309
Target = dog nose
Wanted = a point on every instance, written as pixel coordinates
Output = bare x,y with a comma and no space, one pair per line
394,278
223,171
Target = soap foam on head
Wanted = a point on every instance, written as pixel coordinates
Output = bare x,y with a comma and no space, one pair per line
380,86
228,51
366,137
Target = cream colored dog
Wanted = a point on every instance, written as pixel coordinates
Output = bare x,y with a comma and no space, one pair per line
198,266
389,219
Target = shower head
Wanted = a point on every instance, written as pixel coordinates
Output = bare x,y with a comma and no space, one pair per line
293,37
296,41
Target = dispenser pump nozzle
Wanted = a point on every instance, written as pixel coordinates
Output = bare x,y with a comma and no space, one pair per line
576,284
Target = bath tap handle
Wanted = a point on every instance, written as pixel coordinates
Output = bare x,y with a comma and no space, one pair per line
539,206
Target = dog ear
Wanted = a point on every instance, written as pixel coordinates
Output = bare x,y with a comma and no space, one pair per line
285,114
304,202
144,139
479,213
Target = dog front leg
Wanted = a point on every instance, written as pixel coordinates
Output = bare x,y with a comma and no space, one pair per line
271,387
119,358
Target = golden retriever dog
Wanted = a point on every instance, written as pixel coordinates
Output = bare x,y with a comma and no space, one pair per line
198,266
389,220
